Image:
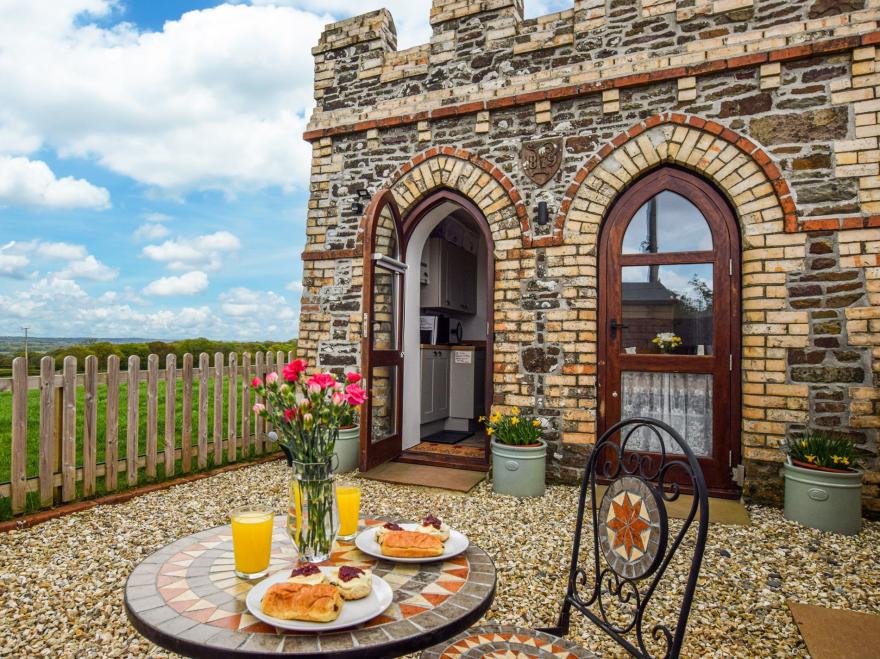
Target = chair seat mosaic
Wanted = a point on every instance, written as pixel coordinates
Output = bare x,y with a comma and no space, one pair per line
505,642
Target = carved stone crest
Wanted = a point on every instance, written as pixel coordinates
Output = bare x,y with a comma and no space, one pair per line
541,159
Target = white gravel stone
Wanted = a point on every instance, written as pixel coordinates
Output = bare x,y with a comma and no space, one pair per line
61,582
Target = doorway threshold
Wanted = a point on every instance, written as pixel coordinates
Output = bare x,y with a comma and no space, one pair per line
444,478
412,456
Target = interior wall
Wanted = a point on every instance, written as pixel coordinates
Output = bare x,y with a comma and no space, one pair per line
412,365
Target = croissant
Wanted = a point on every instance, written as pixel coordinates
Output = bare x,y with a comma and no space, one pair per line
410,544
297,601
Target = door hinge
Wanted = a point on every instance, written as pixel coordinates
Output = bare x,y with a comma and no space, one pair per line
402,355
730,267
488,329
738,475
365,331
730,362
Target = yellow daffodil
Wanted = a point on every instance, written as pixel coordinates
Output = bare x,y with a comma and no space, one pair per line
803,443
496,417
490,430
536,423
481,419
810,458
514,421
514,411
844,460
836,458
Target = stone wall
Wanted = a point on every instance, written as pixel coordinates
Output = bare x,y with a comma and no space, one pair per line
775,101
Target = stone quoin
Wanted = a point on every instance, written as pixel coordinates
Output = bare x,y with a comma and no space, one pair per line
774,103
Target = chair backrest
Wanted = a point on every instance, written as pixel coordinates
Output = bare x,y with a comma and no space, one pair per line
631,544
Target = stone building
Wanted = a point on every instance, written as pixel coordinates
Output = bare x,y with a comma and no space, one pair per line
596,177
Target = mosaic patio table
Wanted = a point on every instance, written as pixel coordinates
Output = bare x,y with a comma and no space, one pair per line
186,598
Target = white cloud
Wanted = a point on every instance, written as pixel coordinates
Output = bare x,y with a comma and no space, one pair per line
62,251
205,251
13,265
151,231
156,217
88,268
217,100
189,283
295,286
242,302
25,182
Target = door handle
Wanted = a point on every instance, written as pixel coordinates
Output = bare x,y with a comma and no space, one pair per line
616,326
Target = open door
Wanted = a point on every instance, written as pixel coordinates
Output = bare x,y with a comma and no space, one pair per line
381,348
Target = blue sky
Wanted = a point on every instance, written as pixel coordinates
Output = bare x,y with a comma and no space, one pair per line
153,179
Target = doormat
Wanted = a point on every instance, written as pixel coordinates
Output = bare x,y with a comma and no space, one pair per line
447,437
837,633
448,449
721,511
444,478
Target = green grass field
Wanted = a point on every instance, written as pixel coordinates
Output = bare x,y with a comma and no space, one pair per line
33,430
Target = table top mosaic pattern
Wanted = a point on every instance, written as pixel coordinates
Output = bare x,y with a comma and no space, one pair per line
505,642
187,598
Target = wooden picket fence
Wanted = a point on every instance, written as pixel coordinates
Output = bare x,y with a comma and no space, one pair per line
242,437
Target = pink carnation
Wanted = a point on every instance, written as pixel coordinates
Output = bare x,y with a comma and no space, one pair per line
337,398
256,382
258,407
289,413
314,387
293,369
272,378
355,395
323,380
352,377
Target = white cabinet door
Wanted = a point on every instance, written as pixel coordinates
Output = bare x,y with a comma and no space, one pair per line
427,385
441,385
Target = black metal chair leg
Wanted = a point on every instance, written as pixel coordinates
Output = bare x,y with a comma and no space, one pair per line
563,624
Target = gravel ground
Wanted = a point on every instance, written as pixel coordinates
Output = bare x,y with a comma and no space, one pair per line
61,582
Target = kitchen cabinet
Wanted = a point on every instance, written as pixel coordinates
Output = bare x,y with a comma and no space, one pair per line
435,384
451,278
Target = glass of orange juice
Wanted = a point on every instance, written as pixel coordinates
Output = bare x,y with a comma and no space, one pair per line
348,500
252,541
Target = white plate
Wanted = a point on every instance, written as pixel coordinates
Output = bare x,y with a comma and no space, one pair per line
366,542
353,612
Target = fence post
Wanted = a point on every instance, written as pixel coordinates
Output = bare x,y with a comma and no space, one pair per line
132,432
68,439
111,424
90,426
246,405
152,414
18,465
170,412
203,410
232,412
218,409
186,429
47,429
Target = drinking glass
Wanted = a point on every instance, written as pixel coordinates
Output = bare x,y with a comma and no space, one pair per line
349,501
252,541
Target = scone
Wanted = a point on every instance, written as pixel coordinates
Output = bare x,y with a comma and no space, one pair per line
353,582
410,544
382,530
299,601
433,526
307,574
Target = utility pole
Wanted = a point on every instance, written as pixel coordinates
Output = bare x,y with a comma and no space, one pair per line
25,347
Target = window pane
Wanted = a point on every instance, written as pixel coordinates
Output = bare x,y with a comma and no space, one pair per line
383,402
667,309
667,223
385,285
683,400
386,233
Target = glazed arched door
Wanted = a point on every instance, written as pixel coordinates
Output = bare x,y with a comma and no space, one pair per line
669,318
382,343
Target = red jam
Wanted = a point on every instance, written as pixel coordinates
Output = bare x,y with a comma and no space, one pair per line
305,570
430,520
347,573
391,526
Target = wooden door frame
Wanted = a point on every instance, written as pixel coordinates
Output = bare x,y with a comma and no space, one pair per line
388,448
723,218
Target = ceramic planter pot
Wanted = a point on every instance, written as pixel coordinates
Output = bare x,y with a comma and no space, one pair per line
347,449
519,470
824,500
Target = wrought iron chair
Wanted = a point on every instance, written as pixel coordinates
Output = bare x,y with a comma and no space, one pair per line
631,551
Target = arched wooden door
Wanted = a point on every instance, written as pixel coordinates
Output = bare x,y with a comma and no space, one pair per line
669,318
382,342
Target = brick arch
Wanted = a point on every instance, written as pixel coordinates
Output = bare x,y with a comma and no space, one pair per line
741,170
490,189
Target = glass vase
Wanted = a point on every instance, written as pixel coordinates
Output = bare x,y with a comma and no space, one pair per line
312,515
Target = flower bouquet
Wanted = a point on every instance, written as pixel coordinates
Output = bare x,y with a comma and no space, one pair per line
666,341
307,412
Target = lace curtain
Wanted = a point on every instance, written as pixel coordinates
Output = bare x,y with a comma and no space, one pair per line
683,400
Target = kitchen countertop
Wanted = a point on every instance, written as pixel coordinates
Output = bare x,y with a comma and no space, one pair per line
451,346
